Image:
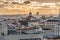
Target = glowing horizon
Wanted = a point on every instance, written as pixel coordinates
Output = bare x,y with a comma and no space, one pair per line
42,8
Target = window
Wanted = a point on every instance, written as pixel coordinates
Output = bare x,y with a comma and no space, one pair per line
0,23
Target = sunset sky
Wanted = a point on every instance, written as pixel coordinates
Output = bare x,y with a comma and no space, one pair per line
41,6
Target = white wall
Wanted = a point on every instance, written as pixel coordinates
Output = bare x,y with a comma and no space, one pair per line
23,36
4,27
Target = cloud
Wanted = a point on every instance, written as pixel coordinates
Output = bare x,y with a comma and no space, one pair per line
46,0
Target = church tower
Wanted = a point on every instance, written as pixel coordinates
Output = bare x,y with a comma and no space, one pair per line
30,14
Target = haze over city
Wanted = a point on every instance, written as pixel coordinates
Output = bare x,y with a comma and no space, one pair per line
25,6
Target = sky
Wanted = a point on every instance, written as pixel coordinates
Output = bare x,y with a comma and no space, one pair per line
46,0
41,6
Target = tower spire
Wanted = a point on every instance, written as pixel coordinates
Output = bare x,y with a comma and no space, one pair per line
59,14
